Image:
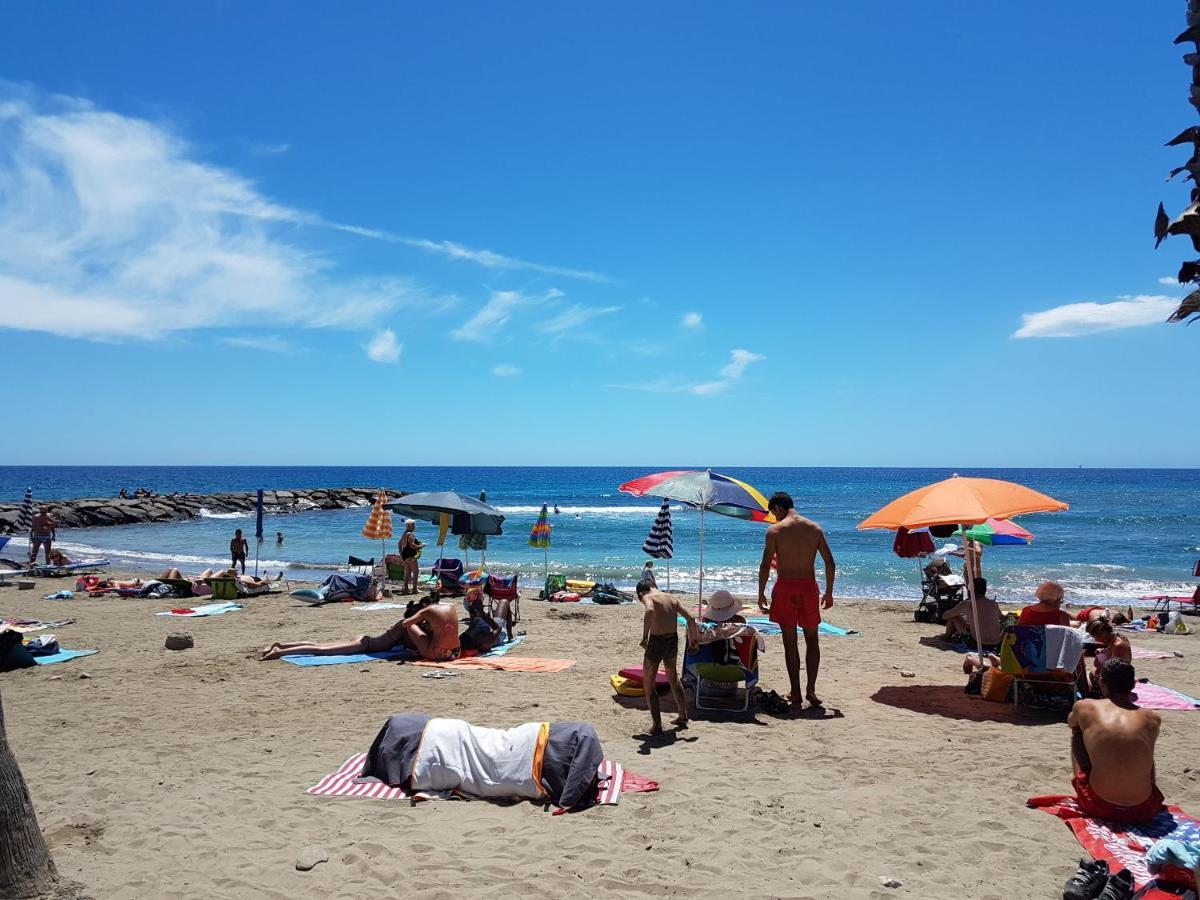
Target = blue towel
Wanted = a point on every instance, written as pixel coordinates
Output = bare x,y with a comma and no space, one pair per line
501,649
309,660
62,656
766,626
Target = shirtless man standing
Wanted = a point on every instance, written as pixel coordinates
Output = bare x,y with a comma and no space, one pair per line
793,543
43,534
1112,751
660,639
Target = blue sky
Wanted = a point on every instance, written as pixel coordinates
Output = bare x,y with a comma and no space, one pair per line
480,233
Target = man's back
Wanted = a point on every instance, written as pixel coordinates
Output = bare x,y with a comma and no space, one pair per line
796,542
1120,745
662,610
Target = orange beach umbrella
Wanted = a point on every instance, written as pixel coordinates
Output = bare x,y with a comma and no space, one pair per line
379,523
961,501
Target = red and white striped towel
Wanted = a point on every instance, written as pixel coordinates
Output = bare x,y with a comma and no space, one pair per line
344,783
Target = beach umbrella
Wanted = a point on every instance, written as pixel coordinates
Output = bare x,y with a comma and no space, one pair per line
998,533
540,537
451,512
704,490
660,543
24,524
258,528
963,502
475,541
379,524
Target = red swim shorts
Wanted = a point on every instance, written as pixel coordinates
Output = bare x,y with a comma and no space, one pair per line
1099,808
796,601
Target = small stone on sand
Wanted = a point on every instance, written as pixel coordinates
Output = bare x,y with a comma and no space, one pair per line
310,856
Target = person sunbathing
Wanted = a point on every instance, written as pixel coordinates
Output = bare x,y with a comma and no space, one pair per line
484,631
432,632
1112,646
1091,613
1112,751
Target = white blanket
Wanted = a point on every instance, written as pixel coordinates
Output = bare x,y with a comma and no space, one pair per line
1064,647
483,762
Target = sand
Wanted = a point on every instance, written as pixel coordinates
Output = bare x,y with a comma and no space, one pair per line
183,774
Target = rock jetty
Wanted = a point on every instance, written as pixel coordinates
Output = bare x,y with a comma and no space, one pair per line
100,511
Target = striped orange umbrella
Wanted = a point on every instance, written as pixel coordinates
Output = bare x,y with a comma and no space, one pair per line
379,523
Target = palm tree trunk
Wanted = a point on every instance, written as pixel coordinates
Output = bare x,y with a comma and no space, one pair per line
26,869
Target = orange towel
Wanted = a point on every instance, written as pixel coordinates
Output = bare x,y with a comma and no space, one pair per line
502,664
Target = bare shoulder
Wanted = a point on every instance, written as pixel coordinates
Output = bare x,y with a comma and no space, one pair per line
810,525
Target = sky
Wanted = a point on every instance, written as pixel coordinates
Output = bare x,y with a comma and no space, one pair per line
475,233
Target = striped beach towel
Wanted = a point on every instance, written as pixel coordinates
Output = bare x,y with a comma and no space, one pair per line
613,781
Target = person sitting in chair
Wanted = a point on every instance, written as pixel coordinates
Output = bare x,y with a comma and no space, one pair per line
958,618
1112,749
483,631
1048,609
432,632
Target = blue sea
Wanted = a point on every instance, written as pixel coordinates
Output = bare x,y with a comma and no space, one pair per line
1129,532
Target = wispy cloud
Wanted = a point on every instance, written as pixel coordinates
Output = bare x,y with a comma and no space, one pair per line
270,149
383,347
485,258
1170,280
268,343
504,370
111,228
1079,319
692,320
731,372
573,317
487,324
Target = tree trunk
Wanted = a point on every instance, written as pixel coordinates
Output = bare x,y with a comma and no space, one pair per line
26,869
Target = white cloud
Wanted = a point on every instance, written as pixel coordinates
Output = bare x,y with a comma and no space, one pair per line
738,361
1169,280
383,347
269,343
486,258
111,229
505,371
574,317
1077,319
731,372
271,149
491,318
692,320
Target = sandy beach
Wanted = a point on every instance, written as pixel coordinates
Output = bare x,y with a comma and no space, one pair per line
183,774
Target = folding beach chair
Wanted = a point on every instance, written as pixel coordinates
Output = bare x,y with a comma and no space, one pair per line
718,667
448,575
1023,656
360,566
504,587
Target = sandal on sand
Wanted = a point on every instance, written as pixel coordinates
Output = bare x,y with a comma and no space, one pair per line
441,673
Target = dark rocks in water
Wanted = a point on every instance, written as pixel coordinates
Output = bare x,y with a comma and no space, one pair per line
92,512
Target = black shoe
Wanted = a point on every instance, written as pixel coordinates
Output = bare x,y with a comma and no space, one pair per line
1088,881
1119,887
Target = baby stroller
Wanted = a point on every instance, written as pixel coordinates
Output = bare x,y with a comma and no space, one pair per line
941,590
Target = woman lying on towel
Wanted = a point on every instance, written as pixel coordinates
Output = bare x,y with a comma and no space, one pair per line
483,631
200,586
1092,613
431,631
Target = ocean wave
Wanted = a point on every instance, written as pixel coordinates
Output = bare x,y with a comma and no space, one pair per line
1099,567
206,513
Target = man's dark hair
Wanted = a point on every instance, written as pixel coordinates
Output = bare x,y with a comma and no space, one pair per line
781,500
644,587
1117,676
980,585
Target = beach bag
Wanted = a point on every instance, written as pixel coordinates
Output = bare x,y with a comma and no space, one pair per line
997,685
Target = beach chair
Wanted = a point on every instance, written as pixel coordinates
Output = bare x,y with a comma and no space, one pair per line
504,587
223,587
448,575
719,667
360,566
1023,656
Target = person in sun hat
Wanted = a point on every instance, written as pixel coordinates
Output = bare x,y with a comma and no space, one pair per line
723,607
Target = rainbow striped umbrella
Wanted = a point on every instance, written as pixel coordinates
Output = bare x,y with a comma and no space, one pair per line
998,533
704,490
540,536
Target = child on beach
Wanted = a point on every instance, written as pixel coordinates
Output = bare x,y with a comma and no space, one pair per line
660,638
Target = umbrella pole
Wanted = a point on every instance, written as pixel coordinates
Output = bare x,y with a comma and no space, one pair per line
974,608
257,545
700,591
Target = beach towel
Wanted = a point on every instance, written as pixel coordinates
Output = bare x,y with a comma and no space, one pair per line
368,607
1122,846
613,781
198,612
512,664
1144,653
1149,695
308,660
763,625
62,656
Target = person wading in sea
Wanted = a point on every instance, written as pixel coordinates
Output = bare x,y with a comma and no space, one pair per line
793,544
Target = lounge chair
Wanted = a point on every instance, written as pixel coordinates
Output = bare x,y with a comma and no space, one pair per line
448,575
362,566
1023,654
723,664
504,587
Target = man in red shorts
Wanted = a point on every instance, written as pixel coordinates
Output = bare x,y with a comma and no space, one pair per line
793,544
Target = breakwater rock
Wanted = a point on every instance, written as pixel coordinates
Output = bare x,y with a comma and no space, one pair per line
92,512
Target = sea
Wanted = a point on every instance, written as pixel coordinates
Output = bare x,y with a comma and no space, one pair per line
1128,532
